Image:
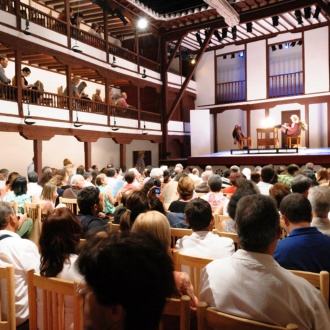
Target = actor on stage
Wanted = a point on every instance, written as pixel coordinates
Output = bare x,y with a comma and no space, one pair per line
293,128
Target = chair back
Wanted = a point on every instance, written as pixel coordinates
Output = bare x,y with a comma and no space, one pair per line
194,264
7,301
113,227
60,90
318,280
180,308
208,318
218,218
33,211
53,290
177,233
71,204
14,205
233,236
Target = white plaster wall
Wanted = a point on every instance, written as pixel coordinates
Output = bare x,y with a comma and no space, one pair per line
256,68
318,120
226,121
142,145
316,49
205,80
105,151
202,132
256,119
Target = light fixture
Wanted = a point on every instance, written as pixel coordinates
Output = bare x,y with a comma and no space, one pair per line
224,57
241,54
144,132
280,46
199,39
229,14
275,20
317,12
249,27
144,76
293,43
192,59
113,64
224,33
232,55
142,23
297,13
27,119
287,45
26,31
307,12
299,42
76,49
114,127
120,16
76,123
217,35
234,32
273,48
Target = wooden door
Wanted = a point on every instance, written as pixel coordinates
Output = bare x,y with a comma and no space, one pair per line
285,118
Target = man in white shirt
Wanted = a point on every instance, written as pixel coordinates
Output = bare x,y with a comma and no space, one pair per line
251,284
267,175
202,242
34,190
23,254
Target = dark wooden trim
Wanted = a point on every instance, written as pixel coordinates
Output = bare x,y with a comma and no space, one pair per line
88,154
37,158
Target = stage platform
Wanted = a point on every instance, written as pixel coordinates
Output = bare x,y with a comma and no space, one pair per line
317,156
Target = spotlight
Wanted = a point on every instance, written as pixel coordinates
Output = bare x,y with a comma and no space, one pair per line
144,76
293,43
273,48
76,123
142,23
280,46
317,12
307,12
76,49
192,59
297,13
144,132
217,35
120,16
299,42
234,32
287,45
241,54
114,127
113,64
275,20
27,24
232,55
27,119
224,33
199,39
224,57
249,27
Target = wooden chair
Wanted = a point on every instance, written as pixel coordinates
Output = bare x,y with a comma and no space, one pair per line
7,275
318,280
200,194
33,211
177,233
194,264
52,295
294,141
233,236
245,142
71,204
218,218
14,205
113,227
208,318
180,308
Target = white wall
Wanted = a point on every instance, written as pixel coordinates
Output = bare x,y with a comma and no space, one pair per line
142,145
105,151
318,120
316,47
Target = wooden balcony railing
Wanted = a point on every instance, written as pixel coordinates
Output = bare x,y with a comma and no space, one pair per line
231,92
287,84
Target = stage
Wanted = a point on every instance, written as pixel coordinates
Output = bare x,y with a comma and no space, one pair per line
317,156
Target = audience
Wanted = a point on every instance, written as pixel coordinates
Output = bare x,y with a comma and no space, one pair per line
319,198
113,286
267,174
77,183
287,176
23,254
251,284
301,184
278,191
305,248
109,201
215,197
203,186
202,242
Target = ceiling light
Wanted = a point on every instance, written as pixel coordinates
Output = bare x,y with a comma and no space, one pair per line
293,43
224,57
297,13
273,48
144,76
142,23
217,35
234,32
241,54
249,27
232,55
275,20
224,33
280,46
299,42
307,12
317,12
199,39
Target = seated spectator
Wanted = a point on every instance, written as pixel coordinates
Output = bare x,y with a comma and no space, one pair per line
194,175
225,179
147,273
203,187
121,102
310,174
301,184
255,176
251,284
215,197
177,170
121,208
18,194
322,176
233,177
156,224
74,85
23,254
202,242
287,176
99,32
59,239
90,202
278,191
267,174
48,199
88,179
170,189
77,19
319,198
305,248
186,192
77,183
97,96
93,29
33,189
109,201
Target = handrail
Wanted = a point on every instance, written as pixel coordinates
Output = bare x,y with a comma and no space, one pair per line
286,84
233,91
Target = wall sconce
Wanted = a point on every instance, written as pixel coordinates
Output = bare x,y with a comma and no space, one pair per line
76,49
27,119
27,24
76,123
144,132
144,76
115,127
113,64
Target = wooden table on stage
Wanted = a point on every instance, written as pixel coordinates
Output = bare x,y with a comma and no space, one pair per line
267,137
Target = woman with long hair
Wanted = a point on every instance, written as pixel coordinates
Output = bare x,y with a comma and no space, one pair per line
59,239
48,199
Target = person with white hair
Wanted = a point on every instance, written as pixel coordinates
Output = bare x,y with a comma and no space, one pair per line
77,183
156,173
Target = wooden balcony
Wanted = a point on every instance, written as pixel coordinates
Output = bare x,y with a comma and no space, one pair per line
231,92
288,84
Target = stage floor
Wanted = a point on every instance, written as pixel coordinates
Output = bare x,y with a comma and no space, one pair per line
317,156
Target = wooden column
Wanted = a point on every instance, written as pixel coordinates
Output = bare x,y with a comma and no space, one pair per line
37,158
88,154
122,156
